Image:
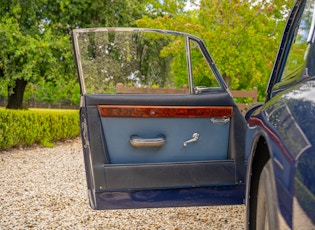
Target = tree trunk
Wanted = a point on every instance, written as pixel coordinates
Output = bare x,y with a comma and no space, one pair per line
16,93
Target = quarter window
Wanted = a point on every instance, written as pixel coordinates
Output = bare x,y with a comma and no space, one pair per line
296,64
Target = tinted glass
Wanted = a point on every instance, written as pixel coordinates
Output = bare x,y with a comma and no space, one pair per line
296,64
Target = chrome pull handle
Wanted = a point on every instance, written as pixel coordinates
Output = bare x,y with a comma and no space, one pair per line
137,141
222,120
194,138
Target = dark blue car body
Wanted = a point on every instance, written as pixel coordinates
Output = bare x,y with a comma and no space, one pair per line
172,149
282,129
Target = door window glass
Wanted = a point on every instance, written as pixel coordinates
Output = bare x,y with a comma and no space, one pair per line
296,63
131,59
203,77
117,61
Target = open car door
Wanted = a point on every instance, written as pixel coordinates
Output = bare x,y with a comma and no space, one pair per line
158,124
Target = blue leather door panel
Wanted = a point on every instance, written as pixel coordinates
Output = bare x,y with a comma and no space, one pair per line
212,143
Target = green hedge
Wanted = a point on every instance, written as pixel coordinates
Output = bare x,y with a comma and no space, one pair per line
41,126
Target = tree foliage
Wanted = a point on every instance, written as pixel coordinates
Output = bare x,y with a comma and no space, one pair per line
242,36
35,45
71,14
35,39
30,49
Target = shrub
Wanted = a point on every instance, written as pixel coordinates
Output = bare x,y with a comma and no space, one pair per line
41,126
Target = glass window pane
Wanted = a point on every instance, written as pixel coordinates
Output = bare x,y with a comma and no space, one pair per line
297,57
147,61
201,71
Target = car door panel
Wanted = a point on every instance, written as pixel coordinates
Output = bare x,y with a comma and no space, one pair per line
157,150
175,125
116,166
175,184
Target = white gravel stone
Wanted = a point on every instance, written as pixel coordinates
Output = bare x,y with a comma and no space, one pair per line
45,188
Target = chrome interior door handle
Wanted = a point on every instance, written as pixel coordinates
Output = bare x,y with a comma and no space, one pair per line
137,141
194,138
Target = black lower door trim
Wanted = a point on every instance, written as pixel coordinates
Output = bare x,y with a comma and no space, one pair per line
169,175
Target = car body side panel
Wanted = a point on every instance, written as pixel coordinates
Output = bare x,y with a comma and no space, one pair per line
287,120
181,197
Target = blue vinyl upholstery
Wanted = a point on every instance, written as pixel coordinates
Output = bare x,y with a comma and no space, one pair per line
212,143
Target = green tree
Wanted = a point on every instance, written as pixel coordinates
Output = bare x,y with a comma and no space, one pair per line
35,39
65,92
71,14
29,49
242,36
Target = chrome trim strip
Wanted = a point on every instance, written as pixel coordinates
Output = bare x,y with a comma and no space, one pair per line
310,38
189,67
278,163
78,60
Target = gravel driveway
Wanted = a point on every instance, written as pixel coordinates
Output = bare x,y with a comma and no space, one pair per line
44,188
